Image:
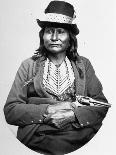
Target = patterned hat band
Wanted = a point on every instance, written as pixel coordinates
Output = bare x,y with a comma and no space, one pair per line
59,18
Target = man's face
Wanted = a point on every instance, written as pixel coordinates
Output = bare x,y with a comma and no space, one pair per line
56,40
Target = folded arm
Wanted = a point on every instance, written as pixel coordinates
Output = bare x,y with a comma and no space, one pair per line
19,110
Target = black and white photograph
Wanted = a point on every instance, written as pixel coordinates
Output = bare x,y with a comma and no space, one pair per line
57,83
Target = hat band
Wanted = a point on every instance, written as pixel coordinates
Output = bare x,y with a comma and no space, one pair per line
59,18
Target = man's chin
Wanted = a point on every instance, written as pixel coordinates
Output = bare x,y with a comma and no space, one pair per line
55,50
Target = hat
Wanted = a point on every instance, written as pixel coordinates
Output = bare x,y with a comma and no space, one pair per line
59,14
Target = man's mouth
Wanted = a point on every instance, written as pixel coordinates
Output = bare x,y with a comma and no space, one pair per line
55,45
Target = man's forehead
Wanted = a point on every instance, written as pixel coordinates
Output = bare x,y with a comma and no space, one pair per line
55,28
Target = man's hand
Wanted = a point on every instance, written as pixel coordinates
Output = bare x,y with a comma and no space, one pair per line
62,114
60,106
60,118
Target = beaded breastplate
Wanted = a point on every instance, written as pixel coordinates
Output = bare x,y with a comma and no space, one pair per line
58,80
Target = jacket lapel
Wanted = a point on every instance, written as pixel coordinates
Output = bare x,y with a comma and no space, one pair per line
79,82
39,78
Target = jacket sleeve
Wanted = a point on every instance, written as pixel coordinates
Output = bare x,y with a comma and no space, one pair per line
17,110
91,115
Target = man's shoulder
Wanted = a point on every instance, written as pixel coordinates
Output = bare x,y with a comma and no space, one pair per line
31,63
27,63
85,61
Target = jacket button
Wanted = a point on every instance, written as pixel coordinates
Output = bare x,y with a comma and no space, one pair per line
82,125
87,123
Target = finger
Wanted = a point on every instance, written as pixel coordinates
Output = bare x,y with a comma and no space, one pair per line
57,117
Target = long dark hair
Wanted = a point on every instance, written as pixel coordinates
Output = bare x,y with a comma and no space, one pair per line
71,52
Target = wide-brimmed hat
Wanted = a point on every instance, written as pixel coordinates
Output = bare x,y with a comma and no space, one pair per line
59,14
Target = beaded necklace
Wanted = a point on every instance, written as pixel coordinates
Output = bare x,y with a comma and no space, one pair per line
58,78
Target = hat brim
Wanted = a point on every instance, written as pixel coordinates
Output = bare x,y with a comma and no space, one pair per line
72,27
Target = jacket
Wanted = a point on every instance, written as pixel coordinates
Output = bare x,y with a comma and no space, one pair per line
21,110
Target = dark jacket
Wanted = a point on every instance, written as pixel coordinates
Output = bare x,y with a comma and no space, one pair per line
21,110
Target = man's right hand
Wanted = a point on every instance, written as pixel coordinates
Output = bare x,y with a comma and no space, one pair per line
59,106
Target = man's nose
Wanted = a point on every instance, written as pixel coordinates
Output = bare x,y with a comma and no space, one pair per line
54,36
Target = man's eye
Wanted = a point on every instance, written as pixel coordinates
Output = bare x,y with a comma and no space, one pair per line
60,31
48,31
